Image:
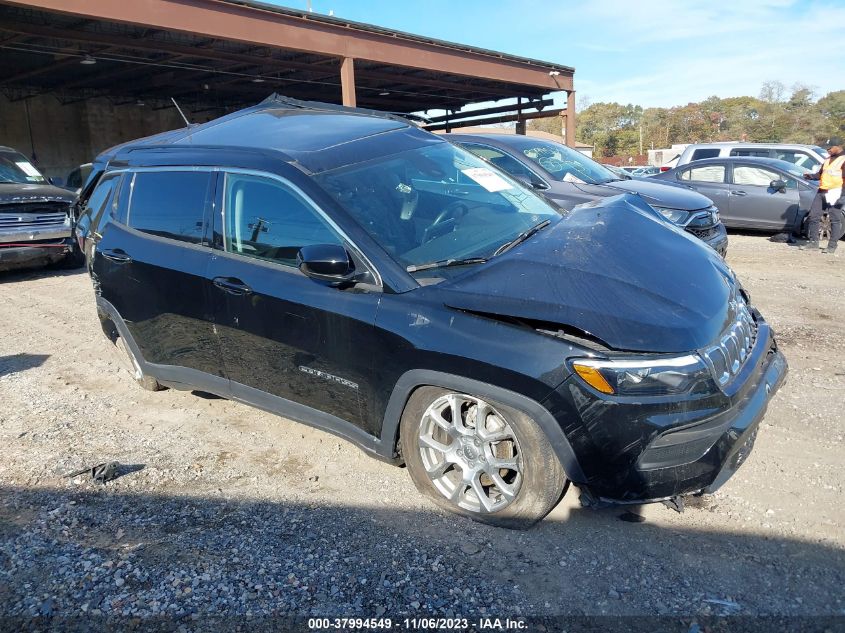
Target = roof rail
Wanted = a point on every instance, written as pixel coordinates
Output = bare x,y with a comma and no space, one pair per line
276,98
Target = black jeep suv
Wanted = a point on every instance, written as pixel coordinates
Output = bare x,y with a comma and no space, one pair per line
355,273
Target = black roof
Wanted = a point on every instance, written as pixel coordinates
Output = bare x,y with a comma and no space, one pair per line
315,136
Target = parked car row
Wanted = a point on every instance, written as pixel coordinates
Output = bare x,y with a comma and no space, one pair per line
568,177
751,193
400,291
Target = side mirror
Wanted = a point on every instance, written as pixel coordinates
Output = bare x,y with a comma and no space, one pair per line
778,185
531,182
326,262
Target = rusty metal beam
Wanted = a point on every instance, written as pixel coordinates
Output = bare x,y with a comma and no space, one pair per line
347,81
457,116
459,83
230,21
495,119
570,118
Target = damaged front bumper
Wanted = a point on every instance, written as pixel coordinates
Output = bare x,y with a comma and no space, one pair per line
637,452
20,255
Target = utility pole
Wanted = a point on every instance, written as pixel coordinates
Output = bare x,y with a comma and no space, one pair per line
641,139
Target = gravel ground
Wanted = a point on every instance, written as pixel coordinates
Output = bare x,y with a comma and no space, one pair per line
223,510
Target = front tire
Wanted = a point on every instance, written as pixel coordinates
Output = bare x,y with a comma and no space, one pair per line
479,458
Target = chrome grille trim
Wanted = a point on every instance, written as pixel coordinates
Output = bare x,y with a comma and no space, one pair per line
727,357
25,221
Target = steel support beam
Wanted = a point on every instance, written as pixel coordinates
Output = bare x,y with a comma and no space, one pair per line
570,118
234,22
347,81
494,119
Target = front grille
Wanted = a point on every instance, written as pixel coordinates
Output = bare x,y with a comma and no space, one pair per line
703,234
23,221
728,355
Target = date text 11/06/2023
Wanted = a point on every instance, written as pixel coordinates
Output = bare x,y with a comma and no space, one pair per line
417,624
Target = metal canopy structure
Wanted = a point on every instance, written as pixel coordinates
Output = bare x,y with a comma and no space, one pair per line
220,55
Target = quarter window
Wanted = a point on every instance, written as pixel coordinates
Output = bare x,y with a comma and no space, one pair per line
97,202
710,173
170,204
705,153
760,153
268,220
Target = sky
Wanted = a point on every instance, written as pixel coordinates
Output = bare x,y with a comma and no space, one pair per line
646,52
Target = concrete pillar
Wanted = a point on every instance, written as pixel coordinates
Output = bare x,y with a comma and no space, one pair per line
570,118
347,81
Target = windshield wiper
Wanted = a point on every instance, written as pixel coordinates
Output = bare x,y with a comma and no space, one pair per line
519,239
445,263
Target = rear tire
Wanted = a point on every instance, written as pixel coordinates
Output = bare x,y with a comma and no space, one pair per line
494,465
131,365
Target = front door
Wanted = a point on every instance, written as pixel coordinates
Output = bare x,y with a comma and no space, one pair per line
282,333
755,204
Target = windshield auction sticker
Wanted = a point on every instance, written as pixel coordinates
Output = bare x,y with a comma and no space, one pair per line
487,179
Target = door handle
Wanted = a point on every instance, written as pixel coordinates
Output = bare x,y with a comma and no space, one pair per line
116,255
232,285
738,193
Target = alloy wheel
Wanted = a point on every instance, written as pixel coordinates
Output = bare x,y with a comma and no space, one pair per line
470,453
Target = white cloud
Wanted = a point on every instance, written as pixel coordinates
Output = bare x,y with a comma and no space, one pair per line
698,50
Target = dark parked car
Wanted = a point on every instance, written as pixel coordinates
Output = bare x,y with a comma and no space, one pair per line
355,273
751,193
35,217
568,177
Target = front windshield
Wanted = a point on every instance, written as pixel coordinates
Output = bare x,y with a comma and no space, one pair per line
562,162
436,203
15,168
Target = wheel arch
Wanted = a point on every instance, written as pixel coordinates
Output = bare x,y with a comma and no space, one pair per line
413,379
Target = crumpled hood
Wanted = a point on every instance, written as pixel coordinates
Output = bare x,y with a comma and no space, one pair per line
612,270
17,193
654,192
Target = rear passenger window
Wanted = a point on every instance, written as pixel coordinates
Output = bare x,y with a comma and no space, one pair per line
710,173
268,220
705,153
170,204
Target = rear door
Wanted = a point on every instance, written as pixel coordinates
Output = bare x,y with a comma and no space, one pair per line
710,180
150,263
282,333
755,204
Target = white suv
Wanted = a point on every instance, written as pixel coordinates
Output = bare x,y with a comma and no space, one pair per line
807,156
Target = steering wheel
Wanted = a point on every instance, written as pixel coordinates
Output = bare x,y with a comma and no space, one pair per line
450,213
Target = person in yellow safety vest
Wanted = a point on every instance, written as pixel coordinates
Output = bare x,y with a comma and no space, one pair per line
830,199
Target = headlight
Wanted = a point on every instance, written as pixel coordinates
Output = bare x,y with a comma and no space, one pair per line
675,216
645,377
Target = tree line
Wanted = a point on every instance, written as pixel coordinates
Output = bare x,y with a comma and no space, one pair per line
777,115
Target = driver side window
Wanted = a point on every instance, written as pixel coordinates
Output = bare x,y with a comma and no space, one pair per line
268,220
